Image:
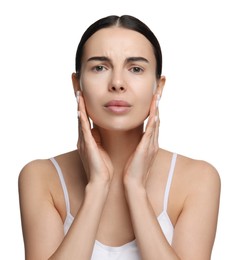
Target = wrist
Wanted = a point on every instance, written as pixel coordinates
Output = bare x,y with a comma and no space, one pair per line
134,188
97,187
132,182
99,178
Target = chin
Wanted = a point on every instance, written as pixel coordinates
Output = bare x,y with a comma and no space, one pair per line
119,125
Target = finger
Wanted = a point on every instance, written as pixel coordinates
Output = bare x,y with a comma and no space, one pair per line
147,138
157,108
156,133
86,134
83,123
152,129
78,114
82,109
151,120
157,122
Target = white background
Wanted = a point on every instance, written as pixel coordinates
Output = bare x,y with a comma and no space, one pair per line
198,108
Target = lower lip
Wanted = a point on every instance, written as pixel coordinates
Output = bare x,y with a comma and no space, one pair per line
118,109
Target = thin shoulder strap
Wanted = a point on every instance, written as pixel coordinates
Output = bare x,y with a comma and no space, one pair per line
63,184
169,181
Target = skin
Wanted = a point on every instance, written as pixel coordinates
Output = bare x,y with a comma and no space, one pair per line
125,167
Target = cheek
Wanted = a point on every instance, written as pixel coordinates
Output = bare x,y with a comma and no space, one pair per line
90,103
88,95
145,104
145,93
93,104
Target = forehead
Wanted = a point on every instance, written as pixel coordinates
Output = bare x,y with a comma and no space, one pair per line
118,42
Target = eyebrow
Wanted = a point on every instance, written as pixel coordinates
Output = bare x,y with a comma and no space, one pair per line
133,59
98,58
129,59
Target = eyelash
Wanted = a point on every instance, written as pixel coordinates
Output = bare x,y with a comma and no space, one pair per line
134,69
98,68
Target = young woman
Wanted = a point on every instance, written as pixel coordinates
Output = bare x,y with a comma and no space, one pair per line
119,195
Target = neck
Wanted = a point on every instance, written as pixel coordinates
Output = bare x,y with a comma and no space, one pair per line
120,144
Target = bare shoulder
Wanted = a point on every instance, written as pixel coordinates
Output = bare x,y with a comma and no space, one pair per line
196,190
40,169
199,173
189,167
38,180
34,173
42,205
193,179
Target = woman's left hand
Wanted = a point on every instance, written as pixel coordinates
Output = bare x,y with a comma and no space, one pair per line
139,164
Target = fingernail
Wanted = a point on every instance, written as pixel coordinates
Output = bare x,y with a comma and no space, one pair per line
78,112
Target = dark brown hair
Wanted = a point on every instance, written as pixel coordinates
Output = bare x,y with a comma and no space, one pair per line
125,21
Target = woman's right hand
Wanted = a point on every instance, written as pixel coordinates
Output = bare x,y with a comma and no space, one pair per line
97,164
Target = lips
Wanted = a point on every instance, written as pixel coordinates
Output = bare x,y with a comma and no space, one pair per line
117,103
118,106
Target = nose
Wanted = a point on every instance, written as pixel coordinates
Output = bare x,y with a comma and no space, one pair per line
117,83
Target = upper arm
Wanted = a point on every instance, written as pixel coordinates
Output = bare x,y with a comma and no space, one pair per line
196,227
41,223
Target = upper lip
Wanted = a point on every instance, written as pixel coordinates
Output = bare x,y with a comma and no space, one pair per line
117,103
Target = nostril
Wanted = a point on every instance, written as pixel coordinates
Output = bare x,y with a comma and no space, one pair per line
116,88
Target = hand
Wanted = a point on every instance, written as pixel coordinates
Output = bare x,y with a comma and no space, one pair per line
140,162
96,162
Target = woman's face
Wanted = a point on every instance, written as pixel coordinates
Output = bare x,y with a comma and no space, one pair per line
118,78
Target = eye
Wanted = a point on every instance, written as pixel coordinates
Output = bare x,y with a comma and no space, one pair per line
137,70
99,68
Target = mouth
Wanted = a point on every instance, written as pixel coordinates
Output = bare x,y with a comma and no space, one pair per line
118,106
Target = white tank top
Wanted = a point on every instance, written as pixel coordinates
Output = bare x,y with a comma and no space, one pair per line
130,250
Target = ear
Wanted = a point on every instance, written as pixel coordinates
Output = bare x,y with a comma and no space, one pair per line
160,85
75,81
